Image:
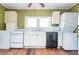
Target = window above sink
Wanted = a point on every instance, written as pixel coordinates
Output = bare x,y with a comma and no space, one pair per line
38,22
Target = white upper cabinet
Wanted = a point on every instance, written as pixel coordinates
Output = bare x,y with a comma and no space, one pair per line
55,17
10,17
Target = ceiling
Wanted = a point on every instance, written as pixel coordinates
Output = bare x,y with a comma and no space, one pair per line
37,5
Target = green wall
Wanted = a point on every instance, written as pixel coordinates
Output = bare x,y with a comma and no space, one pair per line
22,13
2,16
75,8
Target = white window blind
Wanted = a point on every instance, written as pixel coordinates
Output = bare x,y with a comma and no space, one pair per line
38,22
44,22
31,22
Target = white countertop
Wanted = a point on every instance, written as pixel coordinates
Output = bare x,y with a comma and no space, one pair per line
42,30
54,29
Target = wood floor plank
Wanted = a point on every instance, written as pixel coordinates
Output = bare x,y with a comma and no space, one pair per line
35,51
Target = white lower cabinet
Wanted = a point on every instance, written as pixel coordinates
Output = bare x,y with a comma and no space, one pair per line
35,39
16,40
4,40
16,37
16,45
60,39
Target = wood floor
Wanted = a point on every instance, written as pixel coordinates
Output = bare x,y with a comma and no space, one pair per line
33,51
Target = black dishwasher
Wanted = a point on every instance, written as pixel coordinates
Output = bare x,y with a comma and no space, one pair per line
51,39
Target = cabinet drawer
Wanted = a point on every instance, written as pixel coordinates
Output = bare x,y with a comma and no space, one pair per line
35,44
16,38
37,33
16,45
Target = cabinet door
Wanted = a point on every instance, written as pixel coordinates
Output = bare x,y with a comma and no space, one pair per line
16,45
38,39
10,16
11,26
33,40
16,37
41,40
55,17
26,38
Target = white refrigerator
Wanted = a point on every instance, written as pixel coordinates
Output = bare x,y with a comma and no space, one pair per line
68,24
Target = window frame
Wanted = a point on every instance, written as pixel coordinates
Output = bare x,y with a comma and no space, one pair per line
38,21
